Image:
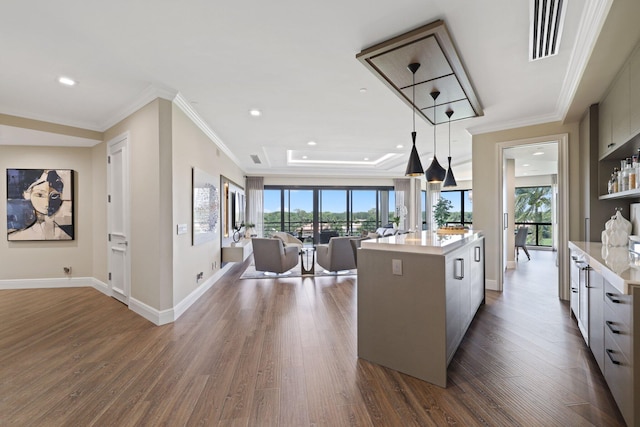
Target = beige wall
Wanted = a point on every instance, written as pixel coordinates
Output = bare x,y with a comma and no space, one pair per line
192,148
37,260
486,212
147,265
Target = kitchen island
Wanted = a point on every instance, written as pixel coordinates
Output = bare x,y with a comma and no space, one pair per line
417,295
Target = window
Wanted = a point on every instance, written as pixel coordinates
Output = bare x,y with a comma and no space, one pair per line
462,206
533,209
320,213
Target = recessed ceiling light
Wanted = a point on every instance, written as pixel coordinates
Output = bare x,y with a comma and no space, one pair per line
366,158
66,81
399,146
311,143
525,165
305,157
538,153
363,90
255,112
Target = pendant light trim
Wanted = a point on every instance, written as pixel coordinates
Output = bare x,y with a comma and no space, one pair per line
435,173
449,179
414,166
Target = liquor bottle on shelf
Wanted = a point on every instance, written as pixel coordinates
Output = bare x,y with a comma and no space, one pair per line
614,181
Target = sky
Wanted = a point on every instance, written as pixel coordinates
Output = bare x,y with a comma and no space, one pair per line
332,200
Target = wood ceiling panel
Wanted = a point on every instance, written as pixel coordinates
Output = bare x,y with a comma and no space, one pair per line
440,69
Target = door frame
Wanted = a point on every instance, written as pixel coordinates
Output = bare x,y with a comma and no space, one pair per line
127,214
562,206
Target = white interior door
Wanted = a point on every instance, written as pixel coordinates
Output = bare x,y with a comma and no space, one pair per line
118,218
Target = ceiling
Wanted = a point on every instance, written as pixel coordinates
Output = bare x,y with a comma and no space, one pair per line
296,62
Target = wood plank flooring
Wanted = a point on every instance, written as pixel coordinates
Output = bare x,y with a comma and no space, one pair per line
282,352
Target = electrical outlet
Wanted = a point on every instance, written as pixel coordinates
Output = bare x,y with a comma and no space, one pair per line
67,270
396,267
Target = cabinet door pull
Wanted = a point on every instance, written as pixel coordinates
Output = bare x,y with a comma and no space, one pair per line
609,353
611,297
476,254
455,274
610,325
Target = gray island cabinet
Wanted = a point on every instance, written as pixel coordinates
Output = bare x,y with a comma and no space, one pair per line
417,295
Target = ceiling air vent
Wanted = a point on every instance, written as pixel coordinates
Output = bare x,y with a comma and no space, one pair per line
256,159
547,18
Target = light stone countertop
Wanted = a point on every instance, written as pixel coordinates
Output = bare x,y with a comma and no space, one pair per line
616,264
425,242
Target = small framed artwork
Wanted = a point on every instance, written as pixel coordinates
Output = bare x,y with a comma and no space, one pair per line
40,204
206,207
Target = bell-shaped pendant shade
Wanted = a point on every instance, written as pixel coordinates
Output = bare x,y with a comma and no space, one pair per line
449,179
414,167
436,172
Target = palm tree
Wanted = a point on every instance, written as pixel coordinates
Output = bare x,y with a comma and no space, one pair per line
533,204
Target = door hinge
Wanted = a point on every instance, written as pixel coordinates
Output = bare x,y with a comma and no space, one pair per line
109,198
109,159
109,276
109,236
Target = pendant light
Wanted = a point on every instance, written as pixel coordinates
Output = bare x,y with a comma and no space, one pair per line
414,167
449,179
435,173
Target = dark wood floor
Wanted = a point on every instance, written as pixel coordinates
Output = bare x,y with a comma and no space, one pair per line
265,352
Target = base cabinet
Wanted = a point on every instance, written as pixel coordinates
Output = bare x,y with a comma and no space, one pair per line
413,319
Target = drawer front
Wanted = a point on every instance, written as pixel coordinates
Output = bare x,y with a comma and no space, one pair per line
619,375
620,304
619,331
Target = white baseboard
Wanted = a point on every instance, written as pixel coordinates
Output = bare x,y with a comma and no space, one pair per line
158,317
182,306
491,285
66,282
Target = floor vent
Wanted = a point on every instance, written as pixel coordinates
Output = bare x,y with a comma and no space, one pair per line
256,159
547,19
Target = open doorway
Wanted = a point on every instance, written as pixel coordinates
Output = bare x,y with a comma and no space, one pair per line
534,202
531,181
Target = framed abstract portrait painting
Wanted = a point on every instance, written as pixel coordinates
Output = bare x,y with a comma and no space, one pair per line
40,204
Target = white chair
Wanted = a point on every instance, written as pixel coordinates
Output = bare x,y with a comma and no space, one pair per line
287,239
337,255
270,255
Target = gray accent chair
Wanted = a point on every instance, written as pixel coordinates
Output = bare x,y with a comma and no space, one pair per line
287,239
270,255
521,241
337,255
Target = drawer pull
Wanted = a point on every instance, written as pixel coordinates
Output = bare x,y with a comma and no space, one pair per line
612,298
610,325
459,276
476,254
609,353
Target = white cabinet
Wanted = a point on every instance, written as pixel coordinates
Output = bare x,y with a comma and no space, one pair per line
238,252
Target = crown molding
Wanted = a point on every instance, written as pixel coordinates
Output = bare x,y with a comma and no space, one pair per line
152,92
595,15
513,124
186,108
